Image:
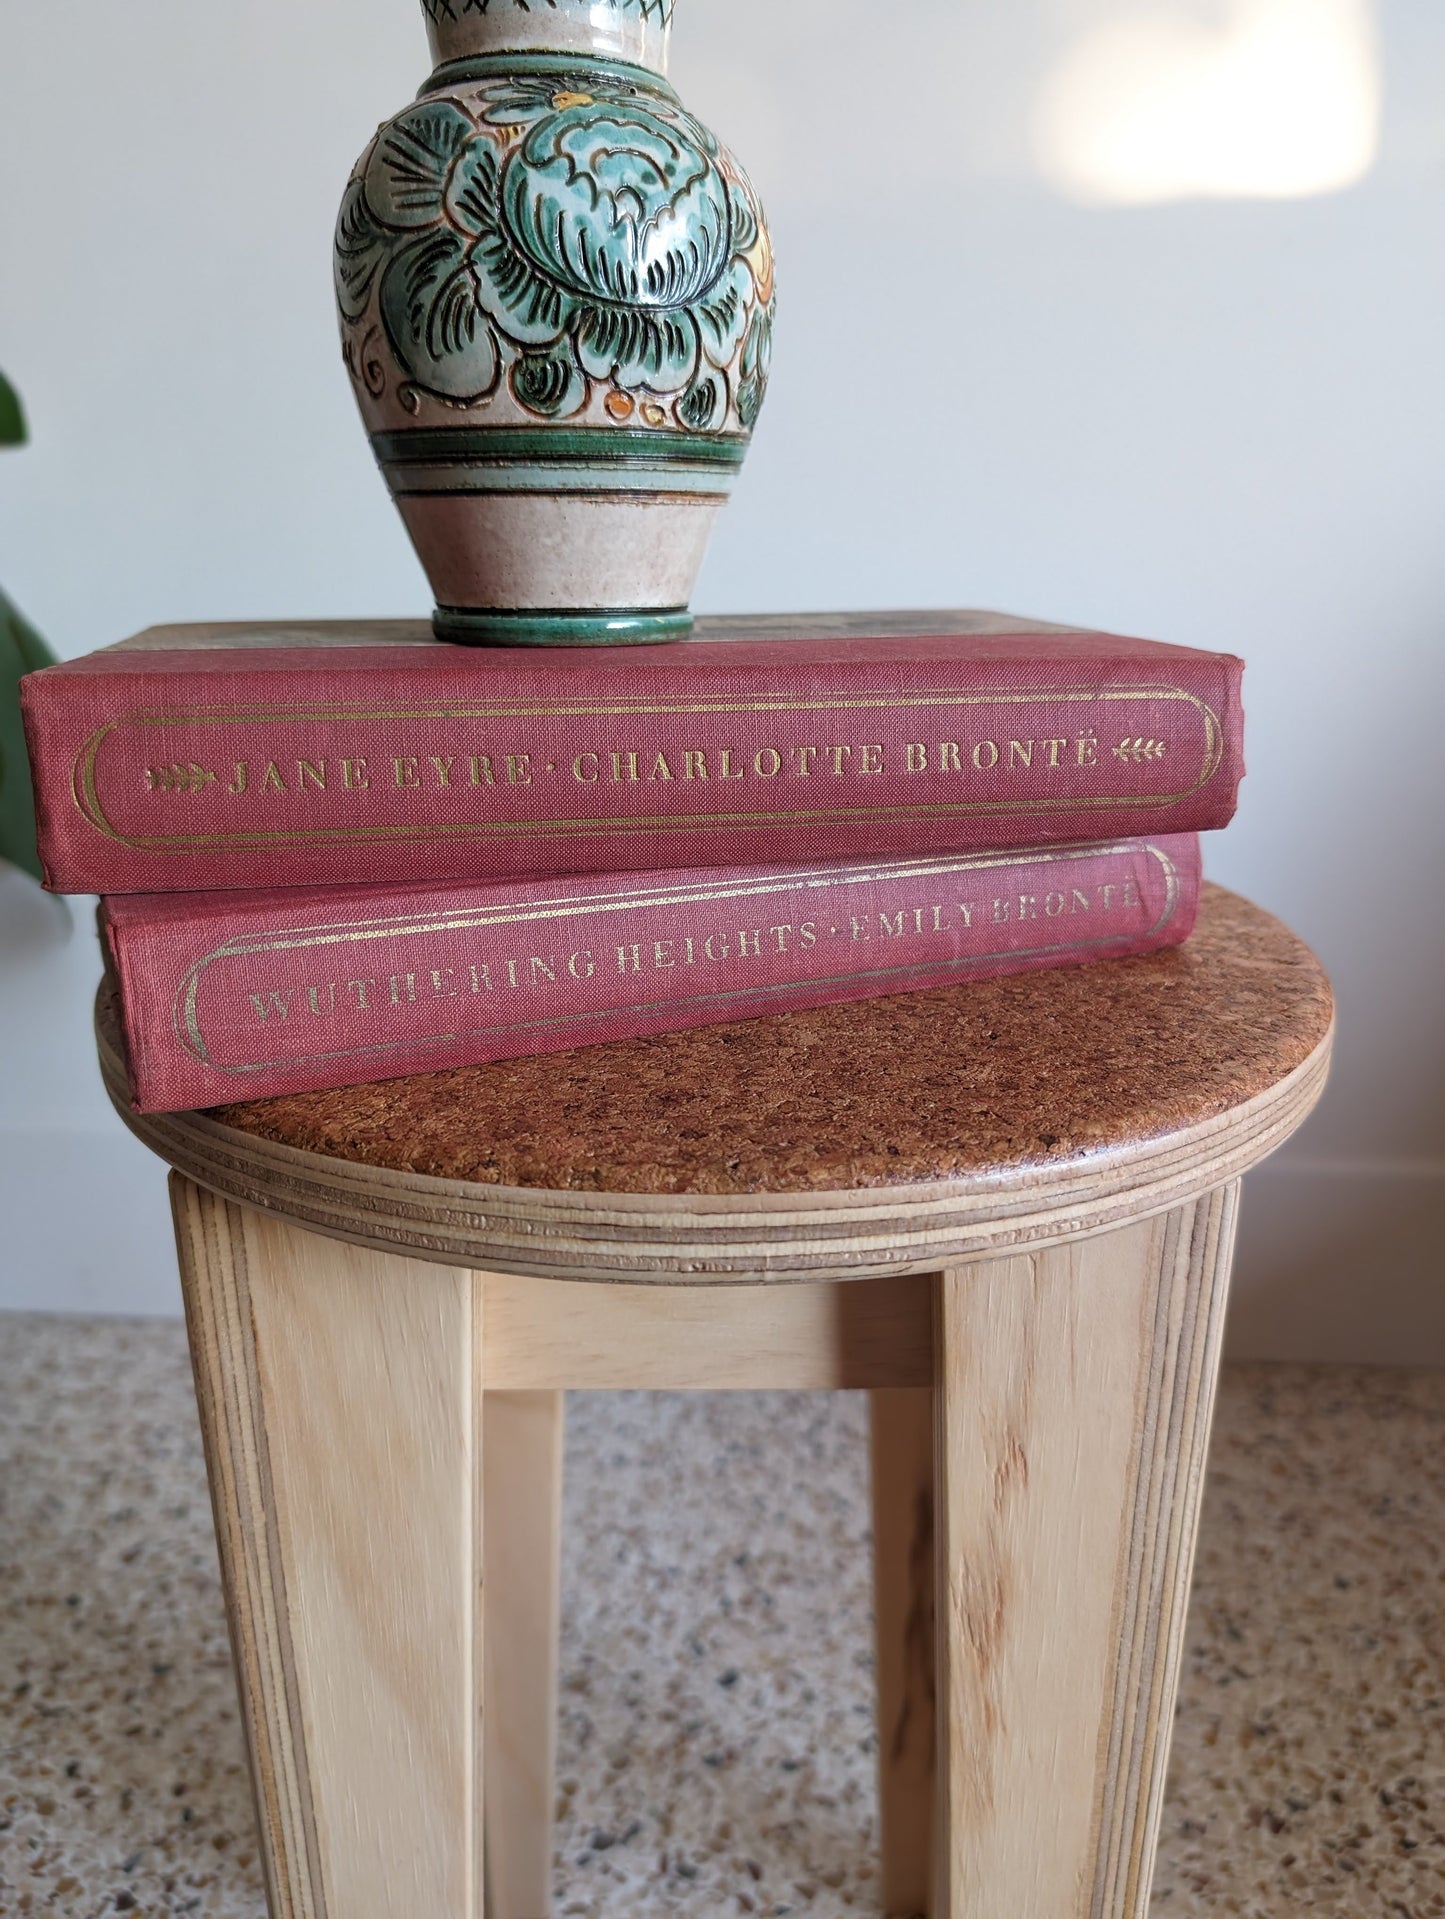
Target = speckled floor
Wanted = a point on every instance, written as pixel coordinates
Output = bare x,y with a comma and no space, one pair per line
716,1738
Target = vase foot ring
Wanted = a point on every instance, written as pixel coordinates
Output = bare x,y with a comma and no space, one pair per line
561,626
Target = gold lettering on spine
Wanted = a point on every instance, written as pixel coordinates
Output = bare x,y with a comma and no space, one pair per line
404,768
481,773
917,759
584,760
1082,747
313,770
548,979
695,765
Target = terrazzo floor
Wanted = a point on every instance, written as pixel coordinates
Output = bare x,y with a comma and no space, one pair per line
716,1732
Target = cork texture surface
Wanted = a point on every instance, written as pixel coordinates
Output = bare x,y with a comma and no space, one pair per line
1037,1069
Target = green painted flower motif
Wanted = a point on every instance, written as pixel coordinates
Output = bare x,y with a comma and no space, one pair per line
756,364
594,228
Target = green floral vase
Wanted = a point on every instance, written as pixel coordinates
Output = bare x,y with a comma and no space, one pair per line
556,297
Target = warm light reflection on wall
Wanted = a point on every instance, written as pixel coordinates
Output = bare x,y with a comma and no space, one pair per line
1277,100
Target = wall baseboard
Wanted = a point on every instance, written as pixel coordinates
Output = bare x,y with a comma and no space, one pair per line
1341,1262
1337,1263
87,1224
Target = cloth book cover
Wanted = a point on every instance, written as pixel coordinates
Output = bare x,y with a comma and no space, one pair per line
242,756
237,996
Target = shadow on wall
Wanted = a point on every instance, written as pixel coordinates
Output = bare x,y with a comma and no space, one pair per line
1341,1255
33,926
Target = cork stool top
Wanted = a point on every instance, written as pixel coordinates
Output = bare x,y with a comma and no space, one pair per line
889,1135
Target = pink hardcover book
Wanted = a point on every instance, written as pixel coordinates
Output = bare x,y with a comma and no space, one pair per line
238,756
236,996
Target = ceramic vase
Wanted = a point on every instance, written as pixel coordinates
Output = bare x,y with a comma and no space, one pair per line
556,299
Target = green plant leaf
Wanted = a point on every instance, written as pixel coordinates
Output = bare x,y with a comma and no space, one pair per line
21,651
12,415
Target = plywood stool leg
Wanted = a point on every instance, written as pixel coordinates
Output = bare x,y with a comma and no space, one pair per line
341,1412
1073,1401
523,1500
903,1611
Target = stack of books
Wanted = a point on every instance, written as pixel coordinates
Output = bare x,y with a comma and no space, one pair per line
339,852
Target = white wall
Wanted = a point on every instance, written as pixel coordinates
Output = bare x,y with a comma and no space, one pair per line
1217,421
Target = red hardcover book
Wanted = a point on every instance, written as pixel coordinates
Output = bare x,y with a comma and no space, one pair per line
202,757
231,996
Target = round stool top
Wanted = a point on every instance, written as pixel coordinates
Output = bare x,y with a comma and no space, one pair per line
881,1135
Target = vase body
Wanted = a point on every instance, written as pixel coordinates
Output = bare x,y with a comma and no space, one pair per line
556,301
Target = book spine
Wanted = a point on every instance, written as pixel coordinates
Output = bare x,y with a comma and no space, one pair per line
283,994
174,780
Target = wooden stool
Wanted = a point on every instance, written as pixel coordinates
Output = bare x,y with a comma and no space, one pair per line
1030,1188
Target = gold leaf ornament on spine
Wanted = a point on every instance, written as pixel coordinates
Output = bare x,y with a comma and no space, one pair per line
86,789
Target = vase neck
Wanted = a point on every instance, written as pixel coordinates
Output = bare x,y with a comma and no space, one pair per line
632,30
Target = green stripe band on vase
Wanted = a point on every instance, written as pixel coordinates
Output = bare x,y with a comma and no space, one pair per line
557,446
561,626
580,482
